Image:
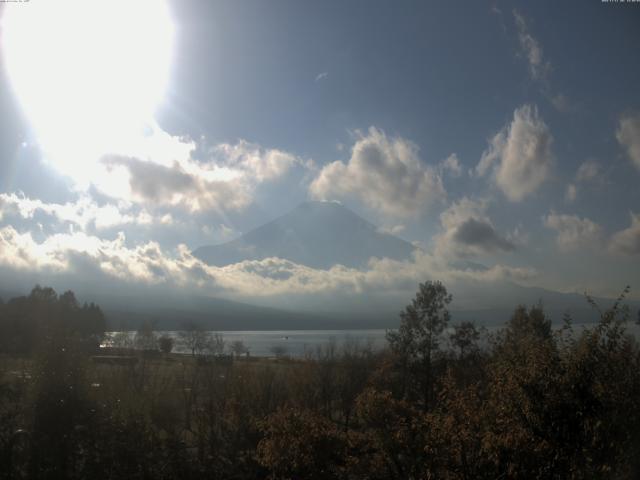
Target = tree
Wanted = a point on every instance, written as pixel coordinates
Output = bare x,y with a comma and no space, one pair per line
301,443
418,338
122,339
393,443
199,341
464,337
215,344
165,342
193,337
533,323
239,348
279,351
27,321
145,338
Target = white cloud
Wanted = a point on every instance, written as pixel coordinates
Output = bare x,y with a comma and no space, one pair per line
194,190
573,232
628,135
531,49
386,174
253,161
282,277
393,230
627,241
452,165
78,255
72,252
588,171
561,103
225,180
519,155
167,219
220,233
322,76
571,193
518,236
83,212
162,169
539,67
468,231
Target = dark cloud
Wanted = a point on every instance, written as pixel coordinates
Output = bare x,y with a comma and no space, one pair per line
481,234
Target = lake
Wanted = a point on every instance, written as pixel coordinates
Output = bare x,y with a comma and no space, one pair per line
299,343
295,343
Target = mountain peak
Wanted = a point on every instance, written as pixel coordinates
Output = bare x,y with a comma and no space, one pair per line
326,204
323,207
318,234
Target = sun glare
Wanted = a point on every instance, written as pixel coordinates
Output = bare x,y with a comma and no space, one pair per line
88,73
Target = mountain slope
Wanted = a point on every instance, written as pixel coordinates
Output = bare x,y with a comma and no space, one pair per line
316,234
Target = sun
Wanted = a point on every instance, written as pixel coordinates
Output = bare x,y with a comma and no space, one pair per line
89,74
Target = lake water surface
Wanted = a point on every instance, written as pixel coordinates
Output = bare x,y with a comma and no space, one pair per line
299,343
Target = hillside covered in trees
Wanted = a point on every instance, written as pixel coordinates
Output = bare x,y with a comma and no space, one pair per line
444,400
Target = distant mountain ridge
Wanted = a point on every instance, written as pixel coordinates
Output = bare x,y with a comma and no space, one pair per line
169,311
315,234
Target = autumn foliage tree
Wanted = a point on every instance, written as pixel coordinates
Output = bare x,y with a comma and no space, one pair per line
301,444
27,321
417,340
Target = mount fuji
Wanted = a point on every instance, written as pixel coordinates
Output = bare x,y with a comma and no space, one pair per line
315,234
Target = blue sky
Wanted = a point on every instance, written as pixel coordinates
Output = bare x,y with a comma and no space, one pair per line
506,134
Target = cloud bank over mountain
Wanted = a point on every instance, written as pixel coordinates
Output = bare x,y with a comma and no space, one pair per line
77,255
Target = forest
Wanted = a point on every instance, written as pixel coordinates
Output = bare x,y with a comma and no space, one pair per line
443,400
